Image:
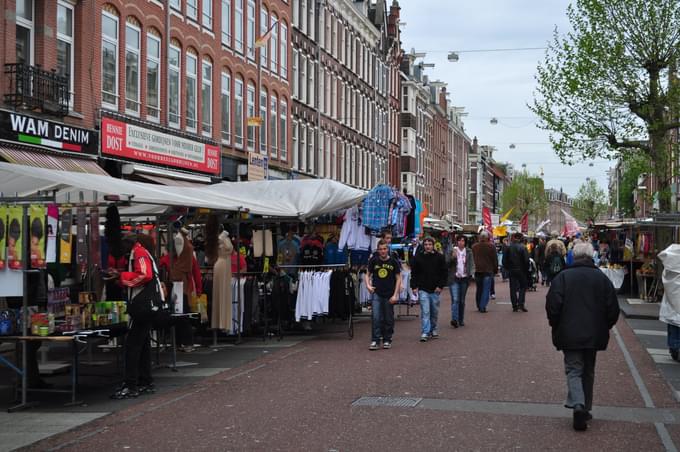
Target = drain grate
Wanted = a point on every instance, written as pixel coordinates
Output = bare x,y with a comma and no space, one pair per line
402,402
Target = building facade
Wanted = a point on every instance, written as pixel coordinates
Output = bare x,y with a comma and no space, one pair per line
459,145
558,203
481,192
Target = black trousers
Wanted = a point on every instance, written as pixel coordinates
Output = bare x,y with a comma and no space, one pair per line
138,354
184,332
518,288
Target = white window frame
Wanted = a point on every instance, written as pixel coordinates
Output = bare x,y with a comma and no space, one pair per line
283,68
238,105
129,102
295,131
176,4
225,105
311,157
302,137
191,76
264,115
30,25
321,165
238,26
250,113
250,29
153,112
207,14
283,130
274,44
296,13
177,70
206,83
68,40
296,80
192,9
311,85
226,23
273,125
264,27
115,42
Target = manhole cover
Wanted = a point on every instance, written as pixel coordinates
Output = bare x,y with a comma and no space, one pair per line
404,402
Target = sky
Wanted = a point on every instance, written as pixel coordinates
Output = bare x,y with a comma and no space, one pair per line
497,84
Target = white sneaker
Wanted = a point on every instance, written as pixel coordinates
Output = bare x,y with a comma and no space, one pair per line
387,345
373,346
493,296
423,338
435,334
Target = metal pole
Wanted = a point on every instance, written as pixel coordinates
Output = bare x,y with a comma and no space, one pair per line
238,274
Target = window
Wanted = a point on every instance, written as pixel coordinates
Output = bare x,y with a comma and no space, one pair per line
322,89
327,147
65,44
238,113
225,102
302,159
263,121
284,51
334,158
283,129
302,24
273,124
274,44
132,45
192,9
310,83
191,87
174,71
303,79
250,113
238,26
25,30
176,4
296,84
312,21
310,150
153,78
296,146
206,98
296,13
322,26
250,18
264,28
109,60
320,158
226,22
207,14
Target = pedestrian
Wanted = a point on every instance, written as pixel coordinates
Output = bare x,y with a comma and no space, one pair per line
486,266
460,271
582,307
516,263
428,278
142,282
383,281
539,253
554,257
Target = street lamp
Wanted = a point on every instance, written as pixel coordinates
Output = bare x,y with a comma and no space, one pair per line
453,57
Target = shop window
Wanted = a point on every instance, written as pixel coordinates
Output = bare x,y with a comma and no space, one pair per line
174,100
225,103
191,87
206,98
109,60
132,82
238,113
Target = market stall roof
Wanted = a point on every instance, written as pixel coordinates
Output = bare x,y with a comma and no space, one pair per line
26,181
302,198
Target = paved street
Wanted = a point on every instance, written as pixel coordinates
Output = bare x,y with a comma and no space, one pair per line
495,384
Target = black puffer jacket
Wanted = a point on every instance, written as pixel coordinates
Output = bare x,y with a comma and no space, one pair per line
581,307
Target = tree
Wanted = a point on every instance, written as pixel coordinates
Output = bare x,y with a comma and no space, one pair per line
608,88
632,168
526,194
590,202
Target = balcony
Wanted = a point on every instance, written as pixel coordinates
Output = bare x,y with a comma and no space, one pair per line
36,89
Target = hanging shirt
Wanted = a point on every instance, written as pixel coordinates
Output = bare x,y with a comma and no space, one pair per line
377,207
353,234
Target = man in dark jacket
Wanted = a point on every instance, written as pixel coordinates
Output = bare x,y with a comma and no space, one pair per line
582,307
516,262
428,278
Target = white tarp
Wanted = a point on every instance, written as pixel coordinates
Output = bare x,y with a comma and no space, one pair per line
288,198
669,311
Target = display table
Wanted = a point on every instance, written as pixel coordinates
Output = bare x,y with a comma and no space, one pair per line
615,275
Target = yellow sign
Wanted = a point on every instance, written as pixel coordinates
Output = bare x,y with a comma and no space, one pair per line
254,121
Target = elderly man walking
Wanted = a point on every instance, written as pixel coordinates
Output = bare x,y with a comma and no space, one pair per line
582,307
486,266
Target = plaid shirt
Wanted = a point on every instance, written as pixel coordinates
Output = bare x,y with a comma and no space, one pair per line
377,207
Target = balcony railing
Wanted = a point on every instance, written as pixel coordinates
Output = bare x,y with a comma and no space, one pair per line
36,89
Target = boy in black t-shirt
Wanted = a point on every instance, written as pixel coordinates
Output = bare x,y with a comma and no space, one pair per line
383,281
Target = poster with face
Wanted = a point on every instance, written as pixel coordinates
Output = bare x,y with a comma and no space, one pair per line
52,221
3,237
15,238
36,221
65,236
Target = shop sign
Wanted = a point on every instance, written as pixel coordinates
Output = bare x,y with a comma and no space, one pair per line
36,131
129,141
258,166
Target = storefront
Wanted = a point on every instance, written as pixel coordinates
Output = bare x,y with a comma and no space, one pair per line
160,155
34,141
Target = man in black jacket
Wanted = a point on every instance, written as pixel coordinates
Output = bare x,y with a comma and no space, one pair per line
428,278
582,307
516,263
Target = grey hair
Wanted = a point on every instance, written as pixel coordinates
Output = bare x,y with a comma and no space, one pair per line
583,250
484,234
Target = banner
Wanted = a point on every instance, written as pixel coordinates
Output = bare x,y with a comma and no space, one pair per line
95,250
505,217
15,240
52,222
65,236
524,223
570,225
486,218
3,236
36,221
542,224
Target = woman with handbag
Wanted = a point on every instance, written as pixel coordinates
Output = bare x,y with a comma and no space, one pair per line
144,289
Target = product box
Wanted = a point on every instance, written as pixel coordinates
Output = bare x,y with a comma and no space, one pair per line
86,297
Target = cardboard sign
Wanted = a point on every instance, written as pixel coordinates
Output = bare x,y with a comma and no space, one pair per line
36,226
15,239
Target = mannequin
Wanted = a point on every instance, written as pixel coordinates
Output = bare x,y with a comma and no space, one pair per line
181,270
221,317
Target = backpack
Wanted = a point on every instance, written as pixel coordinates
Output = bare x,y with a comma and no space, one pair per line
149,304
555,264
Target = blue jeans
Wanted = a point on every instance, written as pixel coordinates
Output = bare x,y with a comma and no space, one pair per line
458,291
382,319
483,281
429,311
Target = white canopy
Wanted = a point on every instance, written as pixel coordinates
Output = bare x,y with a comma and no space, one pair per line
290,198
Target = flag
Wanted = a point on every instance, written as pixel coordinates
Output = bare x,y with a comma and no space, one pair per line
262,40
524,223
504,218
542,224
486,217
570,224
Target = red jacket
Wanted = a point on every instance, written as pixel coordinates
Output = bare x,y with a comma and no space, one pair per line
142,268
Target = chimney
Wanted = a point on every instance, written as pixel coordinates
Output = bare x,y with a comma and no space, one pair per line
393,20
442,98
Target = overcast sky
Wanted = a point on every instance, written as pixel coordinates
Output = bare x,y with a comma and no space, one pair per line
496,84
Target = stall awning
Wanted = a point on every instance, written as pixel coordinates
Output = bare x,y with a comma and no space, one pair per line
22,156
165,177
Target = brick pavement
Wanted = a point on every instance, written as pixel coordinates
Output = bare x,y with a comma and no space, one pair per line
301,398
